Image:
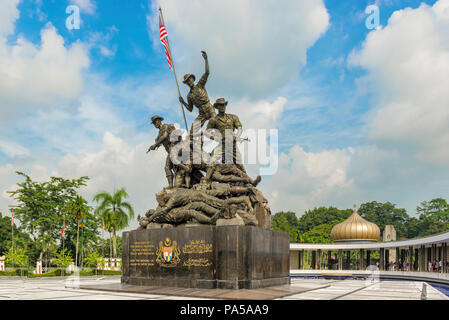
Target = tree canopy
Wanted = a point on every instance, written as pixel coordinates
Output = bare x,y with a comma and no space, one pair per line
42,208
114,211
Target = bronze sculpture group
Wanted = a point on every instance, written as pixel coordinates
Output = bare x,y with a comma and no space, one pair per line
205,188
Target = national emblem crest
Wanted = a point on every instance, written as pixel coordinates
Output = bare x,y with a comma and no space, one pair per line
167,254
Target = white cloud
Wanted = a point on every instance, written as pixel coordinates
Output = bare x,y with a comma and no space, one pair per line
40,77
7,184
342,177
86,6
307,179
254,47
101,41
8,16
118,164
13,149
408,68
258,114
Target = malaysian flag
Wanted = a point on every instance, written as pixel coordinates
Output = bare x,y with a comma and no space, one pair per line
164,41
63,229
12,217
102,229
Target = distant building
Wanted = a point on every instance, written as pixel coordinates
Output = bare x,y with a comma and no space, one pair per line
389,234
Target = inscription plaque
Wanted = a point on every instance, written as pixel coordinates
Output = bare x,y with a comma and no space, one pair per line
231,257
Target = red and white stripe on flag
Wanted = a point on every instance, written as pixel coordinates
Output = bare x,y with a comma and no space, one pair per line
102,229
12,217
164,41
63,229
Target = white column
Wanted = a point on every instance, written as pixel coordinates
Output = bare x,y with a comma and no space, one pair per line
2,263
38,267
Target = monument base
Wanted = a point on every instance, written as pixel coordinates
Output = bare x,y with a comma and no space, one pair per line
206,256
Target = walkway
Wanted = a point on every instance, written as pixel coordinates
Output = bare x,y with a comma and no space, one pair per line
319,289
442,278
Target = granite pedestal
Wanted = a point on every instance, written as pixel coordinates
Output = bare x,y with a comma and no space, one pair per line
225,257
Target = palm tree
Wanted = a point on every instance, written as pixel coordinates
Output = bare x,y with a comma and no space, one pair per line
78,208
115,212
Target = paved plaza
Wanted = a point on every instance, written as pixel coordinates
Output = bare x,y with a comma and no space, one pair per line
310,289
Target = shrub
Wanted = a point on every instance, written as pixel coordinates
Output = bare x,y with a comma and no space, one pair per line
51,273
111,272
9,273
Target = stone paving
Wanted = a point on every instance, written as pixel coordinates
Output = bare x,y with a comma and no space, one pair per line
366,290
68,289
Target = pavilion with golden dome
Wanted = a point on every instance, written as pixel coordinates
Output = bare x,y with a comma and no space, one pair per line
355,229
358,244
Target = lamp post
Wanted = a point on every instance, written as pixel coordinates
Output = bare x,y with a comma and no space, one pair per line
82,246
78,217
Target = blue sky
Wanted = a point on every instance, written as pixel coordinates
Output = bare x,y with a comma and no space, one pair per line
311,65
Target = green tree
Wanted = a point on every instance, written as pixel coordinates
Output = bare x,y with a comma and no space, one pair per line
115,212
48,245
21,239
322,215
383,214
94,259
413,227
63,259
41,206
78,211
16,257
286,222
319,234
433,217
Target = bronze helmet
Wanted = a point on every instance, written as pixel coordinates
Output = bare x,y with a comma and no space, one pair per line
187,76
154,118
220,101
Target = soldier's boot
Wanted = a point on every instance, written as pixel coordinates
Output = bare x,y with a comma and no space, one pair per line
214,218
256,181
170,181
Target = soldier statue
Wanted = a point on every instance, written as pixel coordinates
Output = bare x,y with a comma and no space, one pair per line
198,97
226,124
163,138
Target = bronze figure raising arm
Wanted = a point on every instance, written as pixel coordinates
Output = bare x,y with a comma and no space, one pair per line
189,80
203,79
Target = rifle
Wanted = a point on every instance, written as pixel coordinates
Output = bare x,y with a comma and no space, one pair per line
149,149
243,139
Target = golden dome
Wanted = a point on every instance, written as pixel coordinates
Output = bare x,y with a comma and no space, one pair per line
355,229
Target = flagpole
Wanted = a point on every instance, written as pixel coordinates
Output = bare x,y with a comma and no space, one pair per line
102,238
174,70
12,235
63,237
